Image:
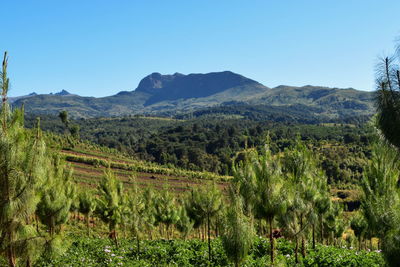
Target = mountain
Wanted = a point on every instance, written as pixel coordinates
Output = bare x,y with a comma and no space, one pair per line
179,86
63,93
13,99
179,94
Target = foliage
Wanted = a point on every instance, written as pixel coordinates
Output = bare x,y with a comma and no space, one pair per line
21,158
209,144
111,203
57,195
388,97
102,252
260,182
165,211
238,233
381,201
87,205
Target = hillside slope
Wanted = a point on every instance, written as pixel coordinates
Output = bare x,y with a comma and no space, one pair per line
175,94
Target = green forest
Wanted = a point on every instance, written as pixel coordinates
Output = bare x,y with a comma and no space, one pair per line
212,188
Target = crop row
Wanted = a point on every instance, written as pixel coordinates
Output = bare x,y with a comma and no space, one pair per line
146,167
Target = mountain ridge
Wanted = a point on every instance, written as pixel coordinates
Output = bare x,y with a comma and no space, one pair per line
179,93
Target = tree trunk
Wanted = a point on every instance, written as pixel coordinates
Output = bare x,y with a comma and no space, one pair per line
167,230
209,240
303,242
37,223
203,232
137,245
11,256
313,236
116,238
113,233
88,224
322,231
52,227
216,227
271,241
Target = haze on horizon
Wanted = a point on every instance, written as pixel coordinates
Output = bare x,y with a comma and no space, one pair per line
97,48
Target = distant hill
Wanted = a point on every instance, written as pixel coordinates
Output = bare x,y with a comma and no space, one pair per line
13,99
179,94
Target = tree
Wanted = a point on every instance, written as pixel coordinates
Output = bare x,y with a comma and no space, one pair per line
307,185
269,191
53,209
184,225
381,201
57,194
382,210
237,236
111,203
359,226
63,115
136,207
388,98
21,158
87,205
206,202
165,210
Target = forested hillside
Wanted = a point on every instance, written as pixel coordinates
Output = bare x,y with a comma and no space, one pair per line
210,143
178,94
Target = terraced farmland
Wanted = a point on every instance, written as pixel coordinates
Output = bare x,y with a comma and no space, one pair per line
89,167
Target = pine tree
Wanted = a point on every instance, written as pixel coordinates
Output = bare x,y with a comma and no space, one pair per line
381,201
21,158
165,210
136,215
57,193
206,202
111,203
53,209
148,213
359,226
388,97
87,205
260,183
184,225
307,185
237,236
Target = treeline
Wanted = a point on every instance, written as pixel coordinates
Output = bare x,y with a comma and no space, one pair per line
210,144
294,114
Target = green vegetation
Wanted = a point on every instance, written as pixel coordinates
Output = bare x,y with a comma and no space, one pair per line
34,187
102,252
182,95
177,210
237,236
209,144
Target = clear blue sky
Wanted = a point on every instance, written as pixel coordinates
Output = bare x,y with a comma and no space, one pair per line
98,48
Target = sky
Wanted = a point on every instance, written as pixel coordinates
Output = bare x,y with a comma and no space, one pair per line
98,48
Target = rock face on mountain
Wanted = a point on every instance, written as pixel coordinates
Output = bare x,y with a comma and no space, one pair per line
177,93
62,93
179,86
